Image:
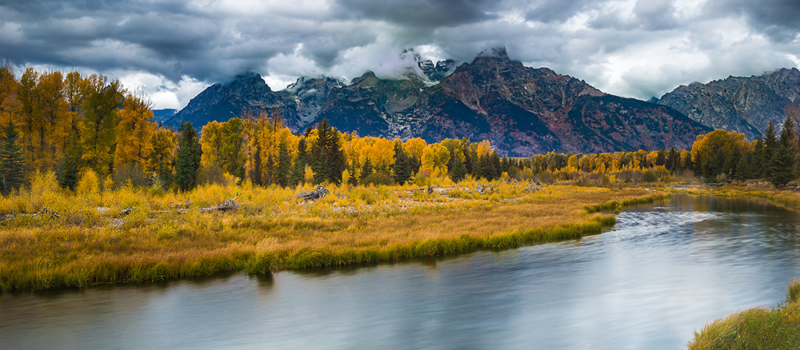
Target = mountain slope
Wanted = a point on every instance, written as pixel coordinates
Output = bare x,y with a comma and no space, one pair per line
522,110
742,104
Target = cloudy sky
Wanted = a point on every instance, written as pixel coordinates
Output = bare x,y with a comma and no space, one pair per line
173,49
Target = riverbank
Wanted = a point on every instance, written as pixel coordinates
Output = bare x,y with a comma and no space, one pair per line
756,328
93,242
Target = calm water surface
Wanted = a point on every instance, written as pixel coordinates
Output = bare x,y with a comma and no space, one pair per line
665,270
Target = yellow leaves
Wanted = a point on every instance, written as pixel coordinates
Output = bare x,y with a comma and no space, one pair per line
434,157
484,148
726,142
382,154
414,147
164,143
309,175
134,132
211,143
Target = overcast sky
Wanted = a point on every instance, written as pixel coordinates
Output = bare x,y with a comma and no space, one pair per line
173,49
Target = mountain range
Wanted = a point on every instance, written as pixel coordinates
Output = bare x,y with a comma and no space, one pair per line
521,110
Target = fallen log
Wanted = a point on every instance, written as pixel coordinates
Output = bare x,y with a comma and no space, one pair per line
229,204
317,193
42,212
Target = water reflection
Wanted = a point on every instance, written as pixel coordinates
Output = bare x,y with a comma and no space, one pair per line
665,270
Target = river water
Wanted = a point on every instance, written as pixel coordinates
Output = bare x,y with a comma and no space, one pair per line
665,270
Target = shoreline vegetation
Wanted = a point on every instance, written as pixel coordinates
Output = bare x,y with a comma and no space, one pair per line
97,237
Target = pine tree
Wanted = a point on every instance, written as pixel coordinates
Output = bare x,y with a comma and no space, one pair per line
754,168
497,167
336,159
459,171
319,152
402,166
787,135
12,161
284,166
781,166
188,160
467,160
71,165
366,170
742,171
770,145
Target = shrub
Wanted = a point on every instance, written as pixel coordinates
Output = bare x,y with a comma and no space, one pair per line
377,179
649,176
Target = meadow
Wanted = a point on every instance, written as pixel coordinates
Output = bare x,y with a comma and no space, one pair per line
165,235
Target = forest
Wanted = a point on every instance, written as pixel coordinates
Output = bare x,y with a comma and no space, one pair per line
88,127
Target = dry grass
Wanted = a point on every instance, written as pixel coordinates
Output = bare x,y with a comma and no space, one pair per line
92,243
756,328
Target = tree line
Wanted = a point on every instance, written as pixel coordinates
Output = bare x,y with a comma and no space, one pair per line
71,124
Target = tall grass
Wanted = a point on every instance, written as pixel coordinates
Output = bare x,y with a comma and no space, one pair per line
756,328
92,242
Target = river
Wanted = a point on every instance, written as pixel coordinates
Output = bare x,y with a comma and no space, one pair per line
665,270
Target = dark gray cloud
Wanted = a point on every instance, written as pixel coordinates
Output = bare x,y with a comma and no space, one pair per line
174,48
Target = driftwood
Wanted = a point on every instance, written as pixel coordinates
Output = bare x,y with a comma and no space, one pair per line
229,204
317,193
43,212
484,189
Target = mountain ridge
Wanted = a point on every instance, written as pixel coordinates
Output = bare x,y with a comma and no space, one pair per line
522,110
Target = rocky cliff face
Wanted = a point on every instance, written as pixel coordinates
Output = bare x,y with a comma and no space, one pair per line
525,111
521,110
742,104
225,101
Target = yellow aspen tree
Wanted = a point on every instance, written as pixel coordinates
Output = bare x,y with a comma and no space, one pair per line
165,143
484,148
382,154
414,147
55,120
135,132
9,89
211,142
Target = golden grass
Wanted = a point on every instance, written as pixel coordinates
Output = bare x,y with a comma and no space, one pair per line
756,328
273,231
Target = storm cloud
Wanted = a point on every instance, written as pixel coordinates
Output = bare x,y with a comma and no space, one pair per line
174,49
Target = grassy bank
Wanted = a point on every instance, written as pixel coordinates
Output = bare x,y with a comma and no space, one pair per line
757,328
91,242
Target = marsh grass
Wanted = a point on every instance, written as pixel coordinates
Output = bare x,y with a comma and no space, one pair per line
92,243
756,328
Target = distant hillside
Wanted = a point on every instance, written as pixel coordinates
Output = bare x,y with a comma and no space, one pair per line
743,104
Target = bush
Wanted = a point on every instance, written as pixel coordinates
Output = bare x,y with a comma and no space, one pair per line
89,184
649,176
377,179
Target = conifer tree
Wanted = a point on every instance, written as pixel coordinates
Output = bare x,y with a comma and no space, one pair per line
770,145
781,166
742,169
366,170
71,164
319,152
467,160
188,160
284,166
787,135
12,161
459,171
336,160
402,166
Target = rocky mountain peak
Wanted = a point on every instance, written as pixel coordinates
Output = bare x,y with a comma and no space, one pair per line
495,52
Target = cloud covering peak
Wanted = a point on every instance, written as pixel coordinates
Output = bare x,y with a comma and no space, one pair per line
173,49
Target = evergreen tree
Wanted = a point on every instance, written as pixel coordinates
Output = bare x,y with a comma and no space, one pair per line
787,135
284,170
188,159
781,166
770,145
496,166
402,166
366,170
336,160
671,162
12,161
71,164
319,152
352,168
459,171
742,168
